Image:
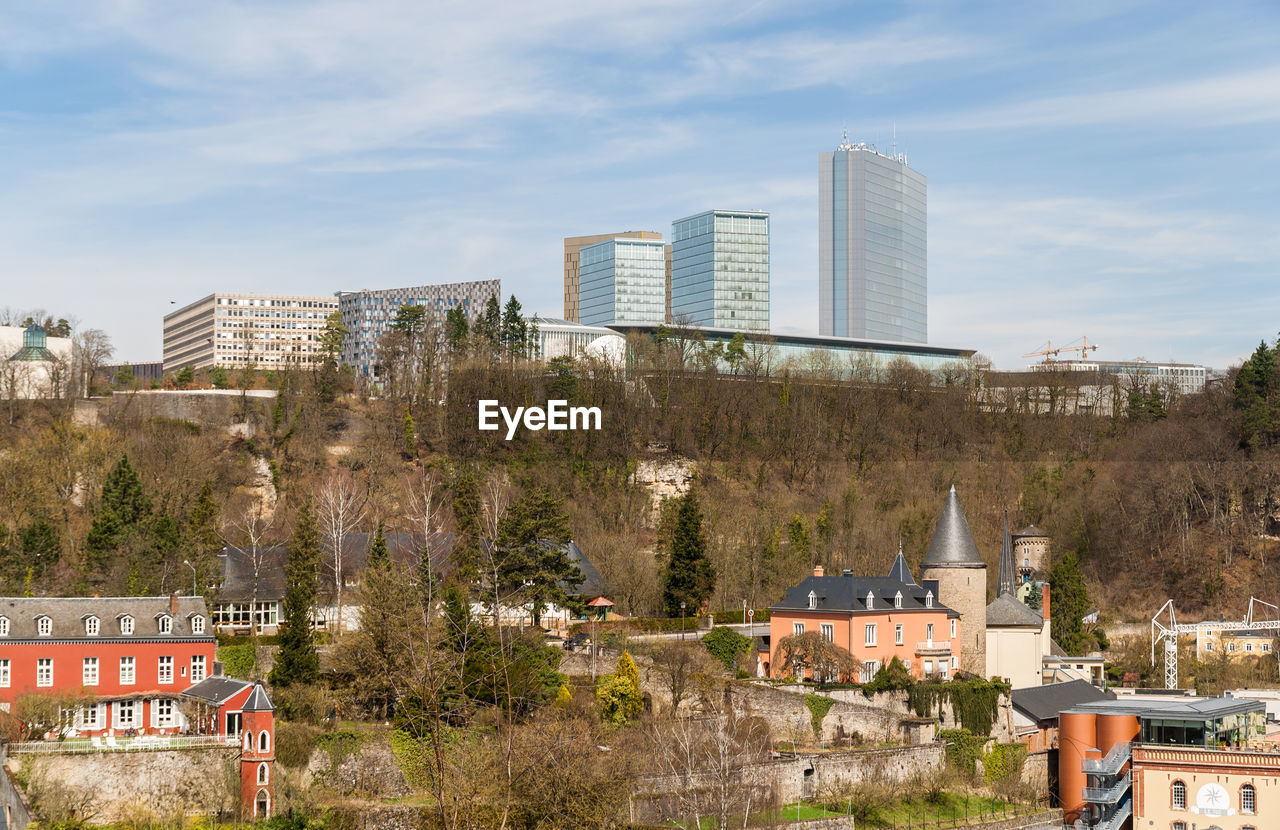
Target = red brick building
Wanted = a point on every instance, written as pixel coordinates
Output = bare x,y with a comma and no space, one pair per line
123,661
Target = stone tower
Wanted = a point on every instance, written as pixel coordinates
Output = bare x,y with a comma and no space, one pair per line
1031,553
257,755
953,560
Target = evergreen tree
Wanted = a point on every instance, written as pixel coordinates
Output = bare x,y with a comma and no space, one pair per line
1254,394
201,542
409,434
467,510
121,510
377,548
619,695
410,320
1068,604
488,327
455,329
39,548
515,332
332,338
690,577
297,661
185,377
532,552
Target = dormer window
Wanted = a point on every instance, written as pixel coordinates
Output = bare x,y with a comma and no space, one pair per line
897,600
871,600
126,625
813,600
4,626
44,626
91,626
164,623
197,624
928,600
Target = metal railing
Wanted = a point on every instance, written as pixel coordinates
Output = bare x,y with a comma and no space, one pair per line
1118,818
1111,763
144,743
933,646
1108,795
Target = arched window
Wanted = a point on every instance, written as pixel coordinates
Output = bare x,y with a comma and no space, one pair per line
928,600
44,626
262,805
248,741
1179,793
1248,799
871,600
91,626
264,773
197,624
813,600
897,600
264,741
165,624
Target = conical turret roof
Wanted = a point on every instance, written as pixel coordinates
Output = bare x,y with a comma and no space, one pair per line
952,545
1007,583
900,571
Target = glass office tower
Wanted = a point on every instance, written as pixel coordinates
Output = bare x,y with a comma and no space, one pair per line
871,246
720,270
622,281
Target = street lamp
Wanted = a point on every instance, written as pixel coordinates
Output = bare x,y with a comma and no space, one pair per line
194,577
682,620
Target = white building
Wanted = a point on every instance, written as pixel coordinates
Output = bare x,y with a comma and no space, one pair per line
230,330
32,364
560,338
1182,378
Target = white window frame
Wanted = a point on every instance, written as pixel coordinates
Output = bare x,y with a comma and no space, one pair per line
871,600
164,624
161,719
953,629
198,660
1178,799
264,741
264,774
897,600
197,624
44,626
813,600
1251,809
164,669
89,672
869,634
90,717
44,671
128,671
91,626
118,708
928,632
4,626
828,632
5,674
897,634
126,625
797,628
928,599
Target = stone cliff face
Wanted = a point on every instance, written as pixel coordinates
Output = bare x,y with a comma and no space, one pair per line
663,479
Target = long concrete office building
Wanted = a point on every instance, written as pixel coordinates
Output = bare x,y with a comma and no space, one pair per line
230,330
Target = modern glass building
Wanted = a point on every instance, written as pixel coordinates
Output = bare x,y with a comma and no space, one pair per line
720,270
622,281
871,246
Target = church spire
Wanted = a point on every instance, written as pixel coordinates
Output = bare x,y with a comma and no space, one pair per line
1006,583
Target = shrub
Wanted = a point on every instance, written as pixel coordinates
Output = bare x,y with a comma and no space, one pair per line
818,705
892,676
295,742
727,645
237,661
962,749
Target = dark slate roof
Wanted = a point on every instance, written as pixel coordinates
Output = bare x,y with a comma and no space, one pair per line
258,701
952,545
1030,530
69,615
900,571
849,593
1042,703
405,548
216,690
1008,610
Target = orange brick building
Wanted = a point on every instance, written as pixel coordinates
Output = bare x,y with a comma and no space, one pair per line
874,618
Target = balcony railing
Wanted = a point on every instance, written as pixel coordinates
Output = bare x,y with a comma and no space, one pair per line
1118,818
143,743
934,647
1111,764
1108,795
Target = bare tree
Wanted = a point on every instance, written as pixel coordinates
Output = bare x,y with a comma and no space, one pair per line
251,524
340,507
90,350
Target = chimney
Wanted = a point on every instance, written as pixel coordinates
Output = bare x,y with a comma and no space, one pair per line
1044,599
173,603
817,570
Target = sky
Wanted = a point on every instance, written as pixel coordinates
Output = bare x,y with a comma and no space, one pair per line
1100,169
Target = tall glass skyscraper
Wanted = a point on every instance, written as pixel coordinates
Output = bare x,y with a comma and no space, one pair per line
871,246
622,281
720,270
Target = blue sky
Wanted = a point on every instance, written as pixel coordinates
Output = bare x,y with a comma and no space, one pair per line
1107,169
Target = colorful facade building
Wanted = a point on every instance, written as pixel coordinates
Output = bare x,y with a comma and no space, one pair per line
122,662
874,618
1171,764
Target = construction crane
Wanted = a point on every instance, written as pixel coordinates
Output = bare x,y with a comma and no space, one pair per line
1049,352
1167,630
